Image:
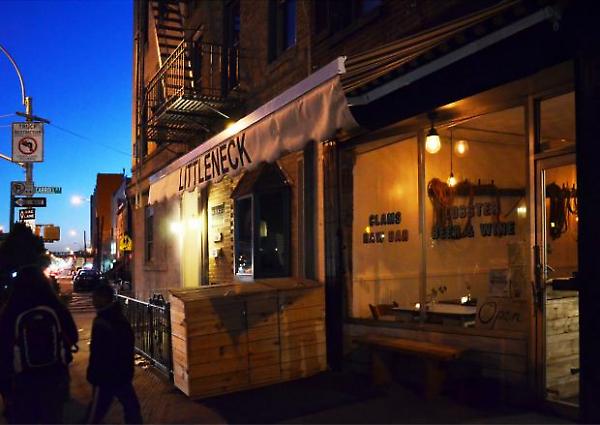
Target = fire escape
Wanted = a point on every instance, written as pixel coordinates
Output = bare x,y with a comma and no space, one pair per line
196,83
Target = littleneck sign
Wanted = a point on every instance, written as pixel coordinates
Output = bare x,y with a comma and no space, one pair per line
220,160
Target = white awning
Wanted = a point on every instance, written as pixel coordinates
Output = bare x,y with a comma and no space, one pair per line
313,109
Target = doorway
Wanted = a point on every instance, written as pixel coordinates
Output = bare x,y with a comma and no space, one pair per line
557,232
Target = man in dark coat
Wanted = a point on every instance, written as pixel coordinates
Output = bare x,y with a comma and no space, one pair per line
111,367
30,396
34,395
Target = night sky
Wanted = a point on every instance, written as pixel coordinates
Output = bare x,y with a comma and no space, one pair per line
76,61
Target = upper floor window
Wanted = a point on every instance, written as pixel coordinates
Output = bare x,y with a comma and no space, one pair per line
335,15
232,44
282,26
149,234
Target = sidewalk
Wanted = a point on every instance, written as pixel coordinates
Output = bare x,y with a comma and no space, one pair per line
325,398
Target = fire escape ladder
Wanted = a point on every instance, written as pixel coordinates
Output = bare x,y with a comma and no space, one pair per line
195,84
169,26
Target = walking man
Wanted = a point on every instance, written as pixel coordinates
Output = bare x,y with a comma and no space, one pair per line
111,369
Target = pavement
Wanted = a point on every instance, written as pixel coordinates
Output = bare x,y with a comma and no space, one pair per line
325,398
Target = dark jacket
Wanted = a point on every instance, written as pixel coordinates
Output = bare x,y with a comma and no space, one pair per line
111,348
32,290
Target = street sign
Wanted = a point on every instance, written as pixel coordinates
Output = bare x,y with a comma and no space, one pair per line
21,189
48,190
27,214
27,142
125,244
51,233
30,202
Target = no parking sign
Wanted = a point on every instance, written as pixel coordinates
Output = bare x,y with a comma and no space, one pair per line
27,142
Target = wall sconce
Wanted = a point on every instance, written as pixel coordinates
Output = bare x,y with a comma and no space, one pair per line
432,142
461,148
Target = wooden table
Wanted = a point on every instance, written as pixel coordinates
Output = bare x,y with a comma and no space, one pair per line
444,313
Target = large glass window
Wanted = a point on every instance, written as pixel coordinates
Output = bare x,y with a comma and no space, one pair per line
477,223
556,125
386,255
262,224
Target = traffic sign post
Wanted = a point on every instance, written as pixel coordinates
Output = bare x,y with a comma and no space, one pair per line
29,202
21,189
28,141
48,190
27,214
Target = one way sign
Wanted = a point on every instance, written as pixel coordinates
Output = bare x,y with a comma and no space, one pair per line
30,202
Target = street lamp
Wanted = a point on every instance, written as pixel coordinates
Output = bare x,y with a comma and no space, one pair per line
29,117
78,200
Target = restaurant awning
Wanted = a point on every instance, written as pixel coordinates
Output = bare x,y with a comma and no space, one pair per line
501,43
314,109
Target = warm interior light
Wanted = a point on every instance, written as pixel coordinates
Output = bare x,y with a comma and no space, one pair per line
194,223
461,147
522,211
451,180
262,230
432,142
176,228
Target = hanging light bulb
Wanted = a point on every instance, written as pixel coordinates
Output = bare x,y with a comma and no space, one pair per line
451,180
432,141
461,147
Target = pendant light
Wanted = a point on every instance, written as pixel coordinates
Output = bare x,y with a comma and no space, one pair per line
461,147
451,180
432,141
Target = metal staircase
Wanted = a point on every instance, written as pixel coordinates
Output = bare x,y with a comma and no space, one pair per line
169,26
192,88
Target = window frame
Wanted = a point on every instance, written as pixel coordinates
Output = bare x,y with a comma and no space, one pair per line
257,271
149,234
278,28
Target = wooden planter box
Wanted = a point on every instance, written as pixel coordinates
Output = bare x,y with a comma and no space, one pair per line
235,337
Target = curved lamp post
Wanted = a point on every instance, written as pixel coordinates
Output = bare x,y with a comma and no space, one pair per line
29,117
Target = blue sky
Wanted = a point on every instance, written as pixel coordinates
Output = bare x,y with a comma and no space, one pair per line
76,61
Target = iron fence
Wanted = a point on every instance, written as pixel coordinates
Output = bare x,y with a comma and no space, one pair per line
151,324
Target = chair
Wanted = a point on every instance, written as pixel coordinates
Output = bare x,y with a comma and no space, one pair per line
383,311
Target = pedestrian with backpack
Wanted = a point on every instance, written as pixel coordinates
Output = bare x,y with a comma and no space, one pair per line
37,333
111,368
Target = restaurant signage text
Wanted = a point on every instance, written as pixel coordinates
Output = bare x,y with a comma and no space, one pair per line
385,219
477,209
220,160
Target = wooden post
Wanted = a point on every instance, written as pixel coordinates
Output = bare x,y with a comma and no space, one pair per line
334,277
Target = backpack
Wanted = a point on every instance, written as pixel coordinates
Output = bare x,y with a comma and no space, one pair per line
38,340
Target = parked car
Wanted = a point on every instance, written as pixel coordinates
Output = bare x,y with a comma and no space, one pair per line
87,280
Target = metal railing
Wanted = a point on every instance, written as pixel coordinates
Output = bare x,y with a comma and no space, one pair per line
193,70
151,324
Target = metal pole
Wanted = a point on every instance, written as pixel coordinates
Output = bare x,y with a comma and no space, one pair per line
84,244
28,118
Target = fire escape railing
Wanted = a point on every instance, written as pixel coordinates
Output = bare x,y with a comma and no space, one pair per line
199,71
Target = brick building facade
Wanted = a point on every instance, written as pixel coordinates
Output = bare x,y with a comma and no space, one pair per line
492,74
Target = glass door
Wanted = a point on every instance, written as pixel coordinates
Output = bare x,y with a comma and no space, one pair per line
557,267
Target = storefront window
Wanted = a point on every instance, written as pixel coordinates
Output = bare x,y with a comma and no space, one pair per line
557,126
243,236
262,224
386,253
477,223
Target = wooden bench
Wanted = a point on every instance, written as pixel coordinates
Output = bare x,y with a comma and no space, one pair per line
435,359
